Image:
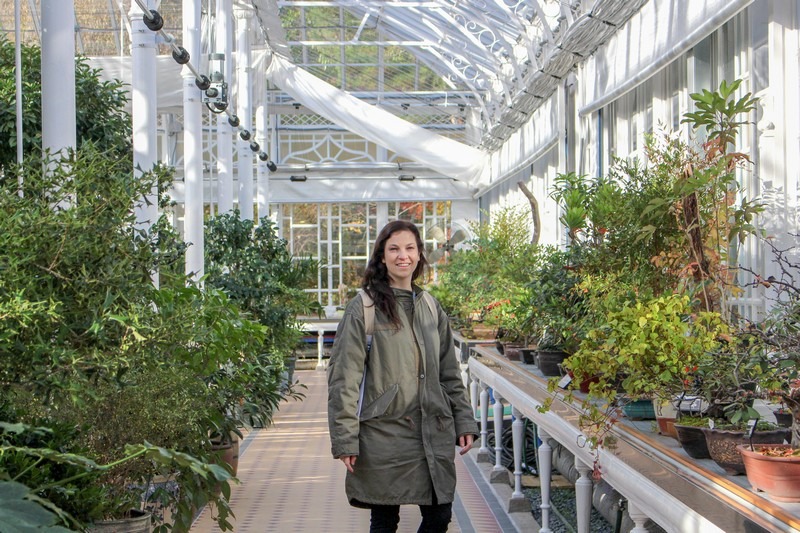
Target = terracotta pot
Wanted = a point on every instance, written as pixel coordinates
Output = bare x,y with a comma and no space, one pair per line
693,441
137,522
778,477
585,384
722,445
666,426
229,453
549,362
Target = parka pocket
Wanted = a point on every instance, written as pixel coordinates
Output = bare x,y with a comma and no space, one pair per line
380,404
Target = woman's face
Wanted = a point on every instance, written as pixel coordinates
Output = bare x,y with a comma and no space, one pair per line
401,256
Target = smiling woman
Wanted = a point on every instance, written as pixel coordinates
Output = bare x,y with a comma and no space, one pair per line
408,380
401,257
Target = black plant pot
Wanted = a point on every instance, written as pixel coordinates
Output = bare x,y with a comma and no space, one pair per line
549,361
784,420
528,355
693,441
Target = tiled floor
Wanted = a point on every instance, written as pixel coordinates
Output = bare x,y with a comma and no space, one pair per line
290,482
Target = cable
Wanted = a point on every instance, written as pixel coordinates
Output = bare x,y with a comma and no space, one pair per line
507,448
155,22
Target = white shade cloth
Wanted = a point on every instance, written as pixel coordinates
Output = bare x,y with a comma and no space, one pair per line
449,157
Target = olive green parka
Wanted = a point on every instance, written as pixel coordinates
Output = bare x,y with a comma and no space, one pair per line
414,408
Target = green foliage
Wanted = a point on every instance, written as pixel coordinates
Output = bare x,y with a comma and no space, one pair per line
645,349
100,107
253,266
92,350
551,311
67,476
481,282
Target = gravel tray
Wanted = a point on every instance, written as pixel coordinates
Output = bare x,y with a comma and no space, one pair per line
564,501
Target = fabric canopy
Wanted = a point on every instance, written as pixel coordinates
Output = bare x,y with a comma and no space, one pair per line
660,32
449,157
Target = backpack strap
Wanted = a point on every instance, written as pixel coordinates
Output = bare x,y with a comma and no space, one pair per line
431,303
369,312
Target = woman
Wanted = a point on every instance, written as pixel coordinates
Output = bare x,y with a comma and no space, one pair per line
401,448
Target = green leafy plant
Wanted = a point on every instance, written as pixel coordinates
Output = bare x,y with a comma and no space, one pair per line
479,283
646,349
100,107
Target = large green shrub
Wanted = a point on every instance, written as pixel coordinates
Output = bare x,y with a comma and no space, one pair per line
480,282
100,107
256,270
92,350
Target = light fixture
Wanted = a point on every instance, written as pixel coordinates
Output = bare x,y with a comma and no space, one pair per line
298,178
296,105
406,177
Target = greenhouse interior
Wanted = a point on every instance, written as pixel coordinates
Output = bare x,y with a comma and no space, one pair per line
602,192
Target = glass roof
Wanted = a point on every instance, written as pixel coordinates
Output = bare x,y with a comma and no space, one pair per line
498,58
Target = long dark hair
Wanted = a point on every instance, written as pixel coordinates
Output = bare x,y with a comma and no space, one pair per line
376,276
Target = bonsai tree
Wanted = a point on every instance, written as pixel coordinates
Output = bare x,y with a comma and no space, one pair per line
777,352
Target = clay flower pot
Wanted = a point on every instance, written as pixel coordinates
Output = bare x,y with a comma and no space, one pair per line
778,477
722,445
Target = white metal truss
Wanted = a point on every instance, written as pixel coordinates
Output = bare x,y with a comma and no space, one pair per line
502,57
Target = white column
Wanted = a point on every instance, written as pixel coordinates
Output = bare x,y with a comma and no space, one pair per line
59,129
320,348
583,495
518,502
545,468
262,193
499,472
245,111
143,113
224,45
192,145
638,517
474,399
273,145
483,451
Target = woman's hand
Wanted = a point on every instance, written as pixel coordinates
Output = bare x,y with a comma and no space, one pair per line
350,461
465,441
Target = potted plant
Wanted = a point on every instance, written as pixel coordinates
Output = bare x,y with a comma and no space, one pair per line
553,308
477,283
777,355
643,352
256,270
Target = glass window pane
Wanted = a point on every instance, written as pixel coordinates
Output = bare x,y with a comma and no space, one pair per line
354,241
305,242
352,272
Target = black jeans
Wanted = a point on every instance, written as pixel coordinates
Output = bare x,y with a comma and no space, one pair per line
435,518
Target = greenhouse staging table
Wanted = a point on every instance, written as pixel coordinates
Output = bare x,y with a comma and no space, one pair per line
320,327
659,480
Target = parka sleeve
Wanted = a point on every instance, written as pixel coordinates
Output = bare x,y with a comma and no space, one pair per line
450,379
345,372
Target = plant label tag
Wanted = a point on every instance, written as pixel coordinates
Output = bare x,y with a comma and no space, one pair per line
565,381
752,425
711,423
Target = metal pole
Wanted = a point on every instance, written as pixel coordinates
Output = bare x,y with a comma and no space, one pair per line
245,111
193,149
18,82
